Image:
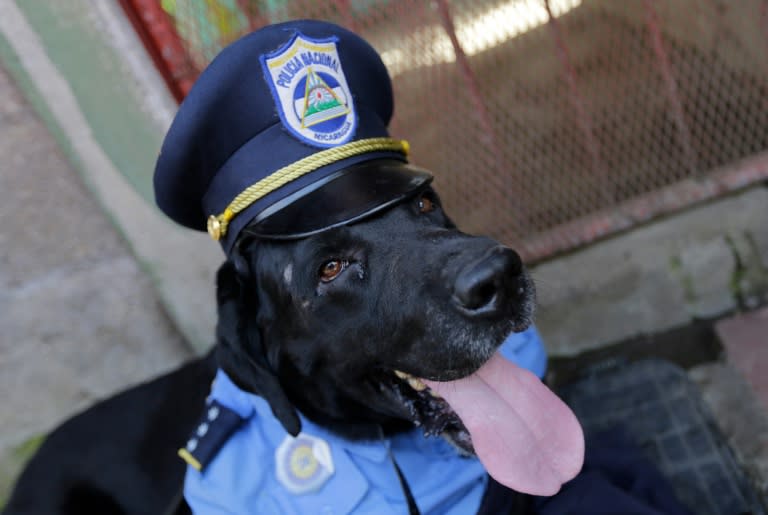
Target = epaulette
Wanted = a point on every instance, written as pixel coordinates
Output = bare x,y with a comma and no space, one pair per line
216,425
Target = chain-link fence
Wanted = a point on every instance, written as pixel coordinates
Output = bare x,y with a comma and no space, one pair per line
548,123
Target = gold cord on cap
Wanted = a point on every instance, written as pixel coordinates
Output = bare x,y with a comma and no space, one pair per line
217,224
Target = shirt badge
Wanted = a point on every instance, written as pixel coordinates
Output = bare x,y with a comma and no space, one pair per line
303,464
310,91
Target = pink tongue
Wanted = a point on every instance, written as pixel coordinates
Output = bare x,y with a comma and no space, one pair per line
525,436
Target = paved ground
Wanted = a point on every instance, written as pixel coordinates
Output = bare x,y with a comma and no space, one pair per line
738,389
746,342
78,318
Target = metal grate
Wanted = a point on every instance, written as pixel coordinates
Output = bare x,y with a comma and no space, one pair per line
663,413
548,123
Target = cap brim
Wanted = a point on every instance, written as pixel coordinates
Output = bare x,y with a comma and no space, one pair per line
342,198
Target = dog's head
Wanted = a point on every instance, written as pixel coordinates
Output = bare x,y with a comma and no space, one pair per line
349,325
337,323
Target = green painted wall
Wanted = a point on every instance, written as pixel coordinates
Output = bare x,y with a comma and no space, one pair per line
96,74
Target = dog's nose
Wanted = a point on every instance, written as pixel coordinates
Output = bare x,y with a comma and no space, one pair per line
481,285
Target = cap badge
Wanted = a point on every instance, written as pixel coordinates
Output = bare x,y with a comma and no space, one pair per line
310,91
303,463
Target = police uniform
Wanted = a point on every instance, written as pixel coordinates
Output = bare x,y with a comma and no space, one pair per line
242,461
285,133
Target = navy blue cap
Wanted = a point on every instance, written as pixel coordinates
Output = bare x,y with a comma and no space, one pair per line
286,130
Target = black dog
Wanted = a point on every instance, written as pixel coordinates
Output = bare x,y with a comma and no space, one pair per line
119,456
340,326
322,324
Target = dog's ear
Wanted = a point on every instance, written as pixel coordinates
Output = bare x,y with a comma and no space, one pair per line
241,353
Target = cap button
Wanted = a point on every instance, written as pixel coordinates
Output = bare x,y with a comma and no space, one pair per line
214,227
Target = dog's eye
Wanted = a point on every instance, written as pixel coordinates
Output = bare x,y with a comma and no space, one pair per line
426,204
331,269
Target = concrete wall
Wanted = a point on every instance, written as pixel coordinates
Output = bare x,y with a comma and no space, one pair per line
90,79
699,264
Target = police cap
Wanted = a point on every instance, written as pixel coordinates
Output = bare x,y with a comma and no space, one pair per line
285,130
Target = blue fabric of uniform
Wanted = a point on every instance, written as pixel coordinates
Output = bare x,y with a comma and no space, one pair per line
241,478
616,478
526,350
230,114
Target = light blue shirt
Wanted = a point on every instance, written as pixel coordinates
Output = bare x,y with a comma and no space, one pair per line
242,478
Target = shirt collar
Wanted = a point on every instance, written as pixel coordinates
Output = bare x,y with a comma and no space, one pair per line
247,405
